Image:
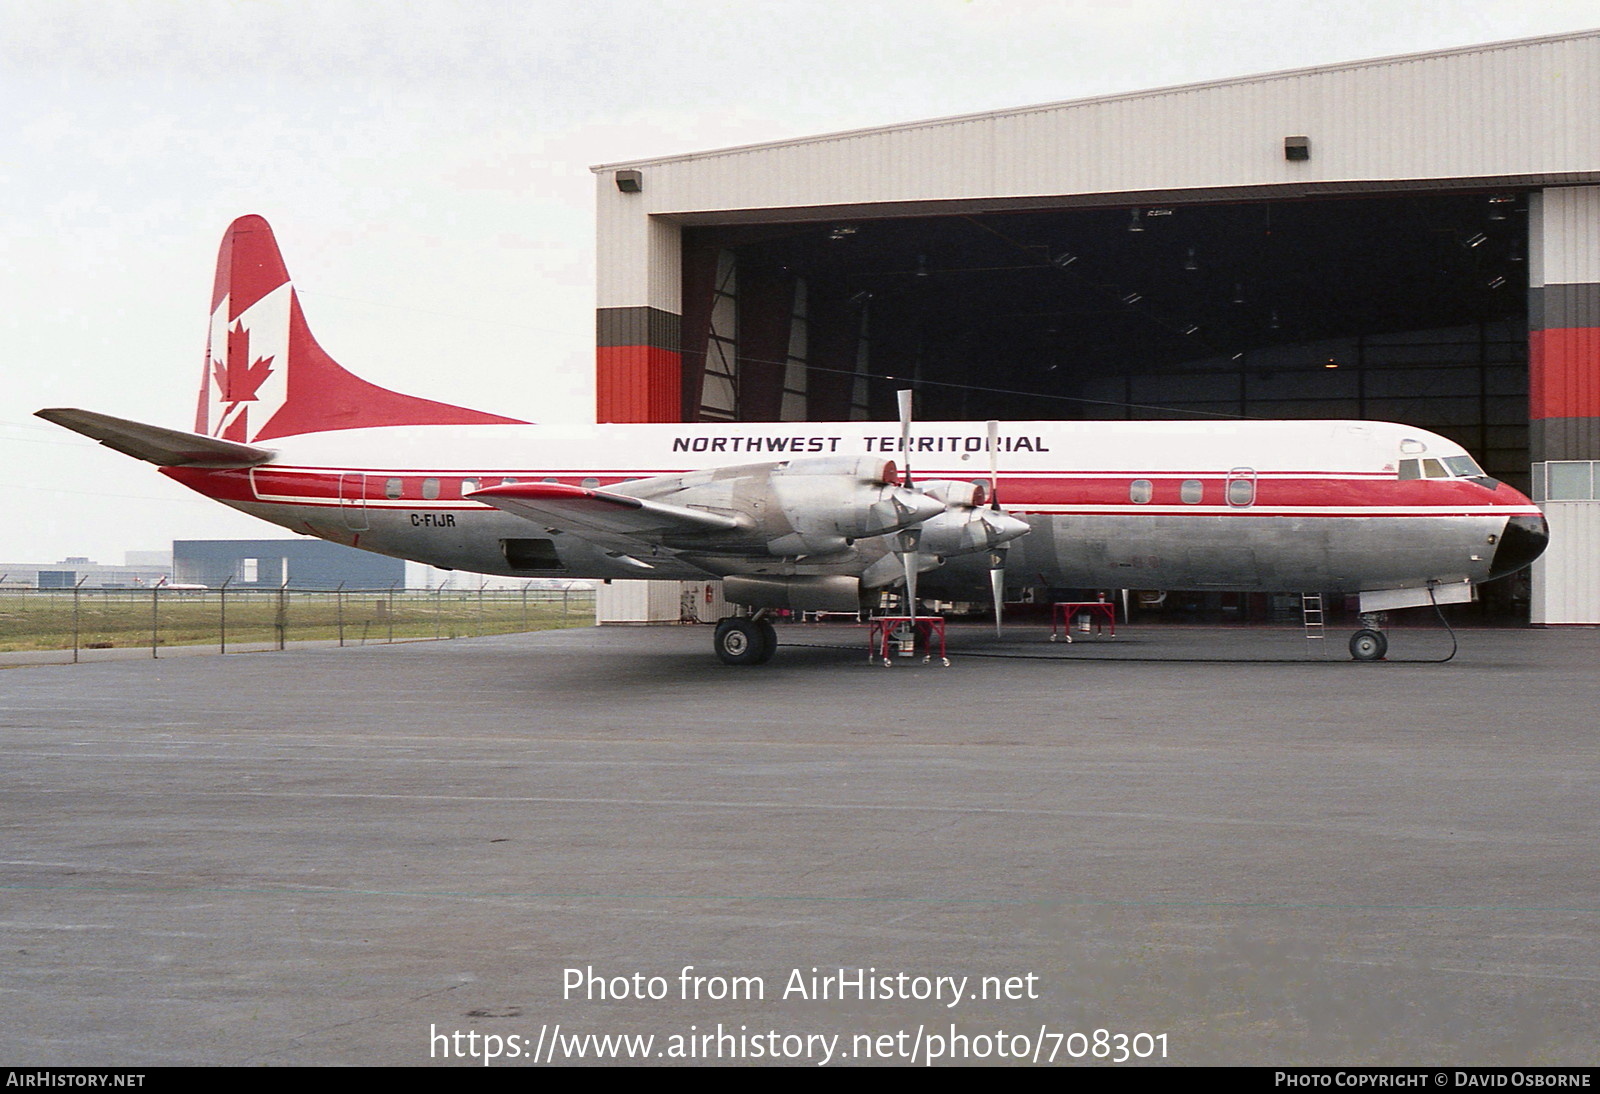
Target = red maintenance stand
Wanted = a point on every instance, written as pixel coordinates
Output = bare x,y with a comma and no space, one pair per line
892,635
1063,613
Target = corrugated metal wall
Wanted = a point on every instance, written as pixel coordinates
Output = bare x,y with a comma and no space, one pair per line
1566,581
1519,110
660,602
1564,396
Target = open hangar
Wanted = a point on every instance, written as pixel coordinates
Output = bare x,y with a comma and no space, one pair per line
1413,239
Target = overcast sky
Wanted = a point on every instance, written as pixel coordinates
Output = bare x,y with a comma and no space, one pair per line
426,169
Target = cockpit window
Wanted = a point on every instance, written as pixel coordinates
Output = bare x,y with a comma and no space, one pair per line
1449,467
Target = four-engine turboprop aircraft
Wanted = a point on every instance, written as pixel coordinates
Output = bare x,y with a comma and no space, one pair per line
815,515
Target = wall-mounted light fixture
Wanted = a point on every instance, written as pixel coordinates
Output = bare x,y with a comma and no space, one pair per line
630,182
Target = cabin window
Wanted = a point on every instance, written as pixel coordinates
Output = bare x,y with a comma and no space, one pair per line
510,481
1410,469
1433,469
1140,491
590,483
1241,489
551,479
430,489
1464,466
469,485
392,489
1191,492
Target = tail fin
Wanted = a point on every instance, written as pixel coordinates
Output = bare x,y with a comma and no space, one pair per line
265,375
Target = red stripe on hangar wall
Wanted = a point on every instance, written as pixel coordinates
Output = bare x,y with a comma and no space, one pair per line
638,384
1564,373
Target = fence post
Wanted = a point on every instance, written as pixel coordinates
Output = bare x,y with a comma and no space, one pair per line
222,613
338,607
75,589
155,614
392,584
282,621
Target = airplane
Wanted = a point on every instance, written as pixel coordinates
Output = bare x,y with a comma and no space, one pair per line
818,516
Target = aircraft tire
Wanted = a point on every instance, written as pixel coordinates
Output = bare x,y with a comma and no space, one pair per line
1369,645
769,641
741,642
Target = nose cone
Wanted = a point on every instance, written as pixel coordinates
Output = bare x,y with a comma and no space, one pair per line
1003,527
916,506
1523,540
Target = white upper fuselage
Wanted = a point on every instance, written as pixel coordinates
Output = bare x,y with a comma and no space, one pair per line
946,447
1235,504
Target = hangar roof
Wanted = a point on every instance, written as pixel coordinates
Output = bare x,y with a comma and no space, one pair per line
1511,114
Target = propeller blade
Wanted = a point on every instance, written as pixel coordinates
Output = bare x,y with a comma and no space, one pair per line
904,396
994,465
909,541
997,585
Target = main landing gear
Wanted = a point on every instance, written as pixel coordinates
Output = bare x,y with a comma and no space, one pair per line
740,641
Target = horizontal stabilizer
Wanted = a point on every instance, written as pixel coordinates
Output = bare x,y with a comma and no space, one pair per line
579,510
157,444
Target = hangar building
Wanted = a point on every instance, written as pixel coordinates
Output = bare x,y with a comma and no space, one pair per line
1414,239
271,563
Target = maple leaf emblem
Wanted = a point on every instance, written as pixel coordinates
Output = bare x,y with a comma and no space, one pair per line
238,381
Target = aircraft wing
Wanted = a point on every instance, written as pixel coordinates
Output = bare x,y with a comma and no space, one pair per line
157,444
602,515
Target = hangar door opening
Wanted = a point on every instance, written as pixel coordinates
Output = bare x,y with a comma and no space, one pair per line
1409,308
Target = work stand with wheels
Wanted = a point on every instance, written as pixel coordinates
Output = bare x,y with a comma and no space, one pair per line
902,635
1063,613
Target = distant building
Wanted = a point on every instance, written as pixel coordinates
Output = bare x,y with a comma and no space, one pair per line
271,563
151,568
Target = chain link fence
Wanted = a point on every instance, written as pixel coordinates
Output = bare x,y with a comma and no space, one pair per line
237,620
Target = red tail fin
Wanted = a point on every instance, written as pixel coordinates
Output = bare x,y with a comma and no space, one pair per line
266,376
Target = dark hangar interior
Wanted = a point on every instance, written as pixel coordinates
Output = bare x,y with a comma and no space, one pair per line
1407,307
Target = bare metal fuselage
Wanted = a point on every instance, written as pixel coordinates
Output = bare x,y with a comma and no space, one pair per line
1213,506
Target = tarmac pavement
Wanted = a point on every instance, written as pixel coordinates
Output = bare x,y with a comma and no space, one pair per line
1246,849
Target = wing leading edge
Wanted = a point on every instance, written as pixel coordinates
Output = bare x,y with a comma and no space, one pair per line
588,512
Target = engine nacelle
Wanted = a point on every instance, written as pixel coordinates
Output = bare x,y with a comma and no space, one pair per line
829,502
965,530
826,593
955,492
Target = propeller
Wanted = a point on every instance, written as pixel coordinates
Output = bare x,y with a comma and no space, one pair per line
909,539
997,557
966,525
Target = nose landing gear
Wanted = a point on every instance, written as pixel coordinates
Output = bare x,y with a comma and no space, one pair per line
1369,643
